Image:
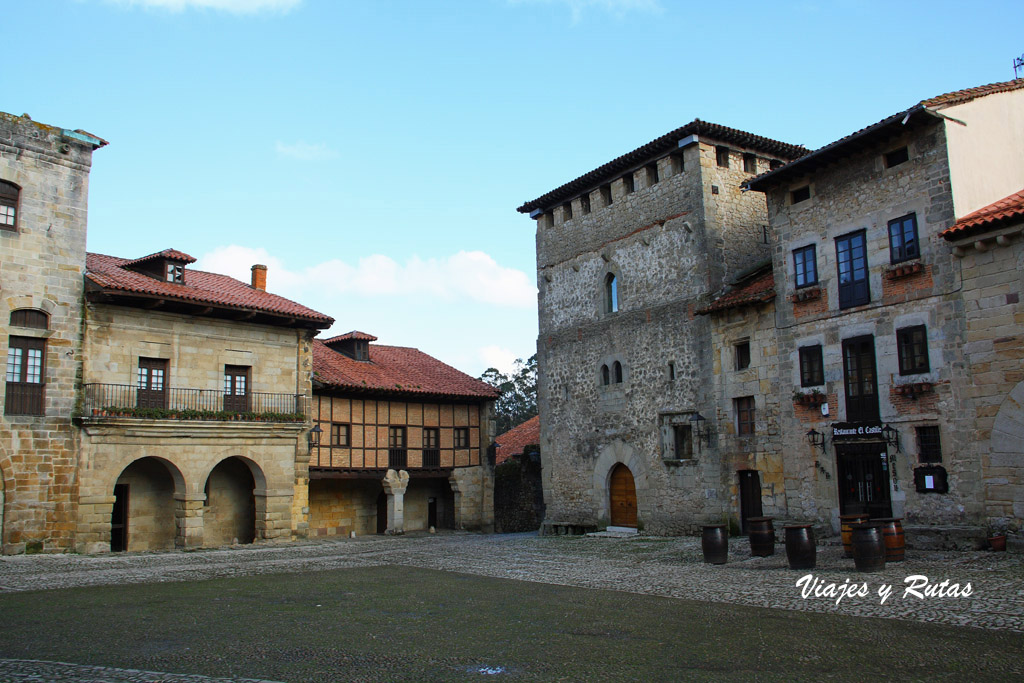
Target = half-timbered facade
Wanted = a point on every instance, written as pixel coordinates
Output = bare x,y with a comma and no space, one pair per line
403,441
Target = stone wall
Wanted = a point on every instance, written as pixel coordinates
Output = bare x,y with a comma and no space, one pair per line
41,266
254,468
670,245
518,494
993,295
861,193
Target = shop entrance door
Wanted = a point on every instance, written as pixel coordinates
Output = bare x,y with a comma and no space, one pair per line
863,479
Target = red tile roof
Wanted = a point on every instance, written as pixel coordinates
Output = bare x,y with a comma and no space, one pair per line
109,274
877,133
165,255
513,441
354,334
756,288
394,370
1005,210
658,147
968,94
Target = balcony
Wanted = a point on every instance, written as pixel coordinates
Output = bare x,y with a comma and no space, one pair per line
127,401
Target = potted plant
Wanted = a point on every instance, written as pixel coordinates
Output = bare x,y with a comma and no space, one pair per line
997,539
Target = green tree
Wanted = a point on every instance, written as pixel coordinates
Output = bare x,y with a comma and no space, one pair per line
518,401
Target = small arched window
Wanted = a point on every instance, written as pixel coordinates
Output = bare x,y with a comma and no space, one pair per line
605,375
611,293
8,205
618,372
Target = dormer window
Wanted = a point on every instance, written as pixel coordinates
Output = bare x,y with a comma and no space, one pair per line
175,273
355,345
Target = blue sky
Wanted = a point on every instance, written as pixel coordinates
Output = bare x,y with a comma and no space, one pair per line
373,153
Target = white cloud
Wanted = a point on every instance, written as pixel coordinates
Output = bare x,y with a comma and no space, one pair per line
303,151
464,276
233,6
499,358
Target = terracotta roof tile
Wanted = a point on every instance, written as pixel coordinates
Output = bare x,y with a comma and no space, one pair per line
1006,209
109,273
166,254
395,370
758,288
354,334
512,442
658,147
968,94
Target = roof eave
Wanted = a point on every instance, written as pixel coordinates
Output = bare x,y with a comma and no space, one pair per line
839,149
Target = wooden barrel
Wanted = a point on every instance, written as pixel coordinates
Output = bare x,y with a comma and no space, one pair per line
868,547
800,548
846,523
762,536
714,541
892,536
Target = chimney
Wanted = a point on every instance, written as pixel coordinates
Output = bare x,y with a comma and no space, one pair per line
259,277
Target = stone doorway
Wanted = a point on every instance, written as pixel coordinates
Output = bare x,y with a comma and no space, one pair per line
622,497
382,513
142,517
750,497
229,514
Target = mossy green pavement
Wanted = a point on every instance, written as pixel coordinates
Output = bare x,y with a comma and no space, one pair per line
396,623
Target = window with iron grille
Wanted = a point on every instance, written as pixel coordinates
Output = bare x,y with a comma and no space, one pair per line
8,205
462,437
912,347
903,244
812,372
805,265
929,449
340,434
744,408
25,386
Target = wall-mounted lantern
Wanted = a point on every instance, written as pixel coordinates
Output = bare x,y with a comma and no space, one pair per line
700,428
816,439
892,437
314,436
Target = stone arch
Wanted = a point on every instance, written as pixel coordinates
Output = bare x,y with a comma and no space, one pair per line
1006,451
235,502
614,453
145,503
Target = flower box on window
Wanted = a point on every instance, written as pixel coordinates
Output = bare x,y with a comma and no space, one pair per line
904,270
808,294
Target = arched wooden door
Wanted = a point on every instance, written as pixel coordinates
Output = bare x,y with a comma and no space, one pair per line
622,497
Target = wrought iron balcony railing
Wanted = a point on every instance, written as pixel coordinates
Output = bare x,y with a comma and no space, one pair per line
125,400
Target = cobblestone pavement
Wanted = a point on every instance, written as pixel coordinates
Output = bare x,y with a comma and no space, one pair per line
31,671
670,567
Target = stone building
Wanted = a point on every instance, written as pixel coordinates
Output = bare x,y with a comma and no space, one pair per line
870,314
990,249
632,432
403,444
195,393
44,179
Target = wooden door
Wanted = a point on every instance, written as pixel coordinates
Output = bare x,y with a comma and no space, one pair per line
119,519
863,479
750,496
152,383
860,380
622,497
236,388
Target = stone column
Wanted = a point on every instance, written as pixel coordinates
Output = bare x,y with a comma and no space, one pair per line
395,484
273,513
94,524
188,520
